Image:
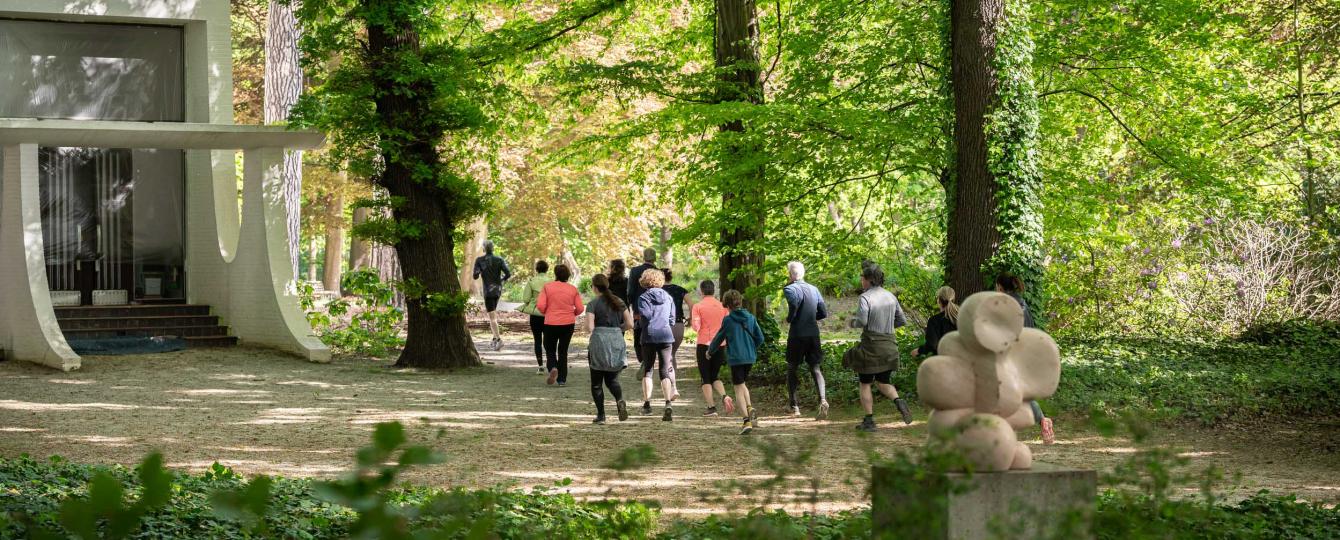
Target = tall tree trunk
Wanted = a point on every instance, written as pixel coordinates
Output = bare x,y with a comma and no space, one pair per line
360,249
283,86
334,244
669,249
736,57
993,188
313,253
436,338
479,231
972,235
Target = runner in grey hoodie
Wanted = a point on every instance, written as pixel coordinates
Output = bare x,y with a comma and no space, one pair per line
656,324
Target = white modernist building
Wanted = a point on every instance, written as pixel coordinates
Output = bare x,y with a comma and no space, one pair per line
120,175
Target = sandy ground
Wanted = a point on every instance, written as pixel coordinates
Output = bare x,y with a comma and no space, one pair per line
262,412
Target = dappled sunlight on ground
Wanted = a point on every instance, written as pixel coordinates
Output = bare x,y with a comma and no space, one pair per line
263,412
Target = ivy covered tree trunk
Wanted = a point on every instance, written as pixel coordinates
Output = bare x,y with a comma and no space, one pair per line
995,220
739,79
437,336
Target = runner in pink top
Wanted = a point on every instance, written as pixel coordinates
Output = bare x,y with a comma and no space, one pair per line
705,318
560,303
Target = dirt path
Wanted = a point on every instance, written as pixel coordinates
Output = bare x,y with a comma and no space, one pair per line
260,412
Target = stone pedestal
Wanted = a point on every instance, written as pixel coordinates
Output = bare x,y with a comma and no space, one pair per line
1041,502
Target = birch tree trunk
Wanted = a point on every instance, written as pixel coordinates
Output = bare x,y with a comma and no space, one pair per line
283,86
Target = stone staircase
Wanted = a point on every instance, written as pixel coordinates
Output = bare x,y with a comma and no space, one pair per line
191,322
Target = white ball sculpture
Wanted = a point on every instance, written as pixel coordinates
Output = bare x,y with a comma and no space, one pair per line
980,385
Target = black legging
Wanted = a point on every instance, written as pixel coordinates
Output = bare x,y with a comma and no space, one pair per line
659,353
537,333
599,380
793,380
556,340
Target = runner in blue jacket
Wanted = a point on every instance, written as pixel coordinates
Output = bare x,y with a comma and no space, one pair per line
742,337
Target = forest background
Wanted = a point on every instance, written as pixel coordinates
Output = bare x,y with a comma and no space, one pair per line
1189,154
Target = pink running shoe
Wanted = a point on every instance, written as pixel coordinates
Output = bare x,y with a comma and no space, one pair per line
1048,431
729,403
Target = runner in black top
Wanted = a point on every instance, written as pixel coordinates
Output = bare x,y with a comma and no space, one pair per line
494,272
677,295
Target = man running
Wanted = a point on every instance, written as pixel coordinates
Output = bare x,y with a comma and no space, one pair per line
493,270
804,309
875,358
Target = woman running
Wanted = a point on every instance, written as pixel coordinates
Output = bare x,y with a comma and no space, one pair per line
618,277
658,316
561,304
706,317
677,295
530,295
606,353
740,330
940,324
1011,284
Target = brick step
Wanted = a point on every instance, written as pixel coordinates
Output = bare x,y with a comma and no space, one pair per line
160,310
193,342
180,331
166,321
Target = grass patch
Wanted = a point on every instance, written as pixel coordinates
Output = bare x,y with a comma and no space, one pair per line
1208,382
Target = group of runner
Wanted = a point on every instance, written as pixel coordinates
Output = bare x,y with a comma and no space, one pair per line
728,335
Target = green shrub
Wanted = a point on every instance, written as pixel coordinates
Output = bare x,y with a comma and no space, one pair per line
1294,333
57,499
774,525
1169,379
374,322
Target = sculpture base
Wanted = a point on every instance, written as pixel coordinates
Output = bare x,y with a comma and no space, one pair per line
1042,502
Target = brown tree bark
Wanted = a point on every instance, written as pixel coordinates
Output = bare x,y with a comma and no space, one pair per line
669,255
360,248
972,236
739,79
479,231
283,86
434,340
333,268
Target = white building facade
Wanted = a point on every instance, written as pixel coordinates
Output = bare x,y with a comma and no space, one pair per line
119,175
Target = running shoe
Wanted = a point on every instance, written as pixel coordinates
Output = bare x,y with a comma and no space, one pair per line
753,417
553,376
746,428
646,408
730,405
669,415
902,409
867,425
540,370
600,421
823,411
497,344
711,411
795,411
623,410
1048,431
561,384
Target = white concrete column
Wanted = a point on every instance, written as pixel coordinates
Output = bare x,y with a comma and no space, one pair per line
267,315
211,228
28,328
